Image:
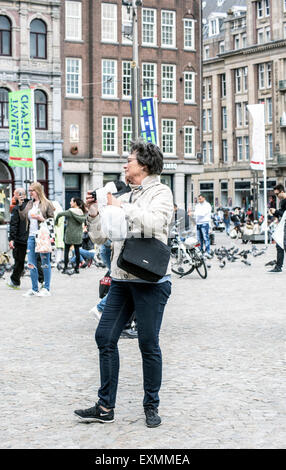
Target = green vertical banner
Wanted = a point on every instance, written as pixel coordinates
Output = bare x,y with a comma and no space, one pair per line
21,128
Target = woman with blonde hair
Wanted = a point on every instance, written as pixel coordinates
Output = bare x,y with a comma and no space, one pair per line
37,210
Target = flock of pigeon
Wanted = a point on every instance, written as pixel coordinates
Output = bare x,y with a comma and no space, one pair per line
233,254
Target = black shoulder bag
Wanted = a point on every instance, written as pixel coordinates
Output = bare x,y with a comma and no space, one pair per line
146,258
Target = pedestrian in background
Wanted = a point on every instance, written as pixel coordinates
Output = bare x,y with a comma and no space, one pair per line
37,210
59,233
148,209
226,220
202,214
75,218
279,192
18,237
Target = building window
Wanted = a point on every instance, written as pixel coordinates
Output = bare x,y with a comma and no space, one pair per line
169,136
238,112
211,155
224,151
269,110
168,33
189,140
210,120
221,47
204,152
223,85
224,118
206,52
109,78
241,80
41,110
244,40
126,36
126,79
149,33
246,146
168,82
260,9
270,146
149,79
5,36
207,88
4,107
236,41
213,27
239,148
126,134
189,34
189,88
38,40
264,76
109,135
245,112
260,36
73,21
73,78
204,118
108,22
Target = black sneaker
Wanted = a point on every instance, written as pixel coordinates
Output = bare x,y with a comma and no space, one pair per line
276,269
152,418
95,414
129,333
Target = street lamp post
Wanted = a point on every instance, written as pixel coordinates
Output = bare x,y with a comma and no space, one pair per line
135,69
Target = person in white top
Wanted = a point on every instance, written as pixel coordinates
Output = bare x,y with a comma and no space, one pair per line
203,217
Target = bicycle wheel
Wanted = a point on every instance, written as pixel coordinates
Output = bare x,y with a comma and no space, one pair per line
181,263
202,269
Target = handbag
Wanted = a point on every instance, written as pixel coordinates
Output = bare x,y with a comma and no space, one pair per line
104,285
43,239
146,258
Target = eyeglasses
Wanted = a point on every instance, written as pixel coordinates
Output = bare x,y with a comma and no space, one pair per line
130,160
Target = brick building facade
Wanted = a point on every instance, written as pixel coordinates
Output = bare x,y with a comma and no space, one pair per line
96,67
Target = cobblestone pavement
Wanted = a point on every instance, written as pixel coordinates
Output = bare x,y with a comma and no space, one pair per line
223,343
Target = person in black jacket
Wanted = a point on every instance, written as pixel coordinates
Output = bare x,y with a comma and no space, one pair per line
279,191
18,238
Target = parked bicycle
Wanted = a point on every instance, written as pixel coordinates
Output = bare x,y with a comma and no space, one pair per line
185,254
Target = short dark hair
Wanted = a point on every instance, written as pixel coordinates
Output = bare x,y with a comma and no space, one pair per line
148,155
279,187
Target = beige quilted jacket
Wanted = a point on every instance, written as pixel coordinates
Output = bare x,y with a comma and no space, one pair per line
150,212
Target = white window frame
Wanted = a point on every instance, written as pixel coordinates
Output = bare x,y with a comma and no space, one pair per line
126,78
221,47
106,77
260,36
189,85
238,80
206,52
223,85
239,149
189,34
126,19
75,18
236,41
109,21
154,27
211,152
210,119
260,9
168,138
149,65
269,107
164,44
77,77
224,118
204,152
238,113
189,141
115,150
246,147
224,150
126,122
168,82
270,146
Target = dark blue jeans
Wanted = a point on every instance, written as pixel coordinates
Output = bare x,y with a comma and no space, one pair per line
148,300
